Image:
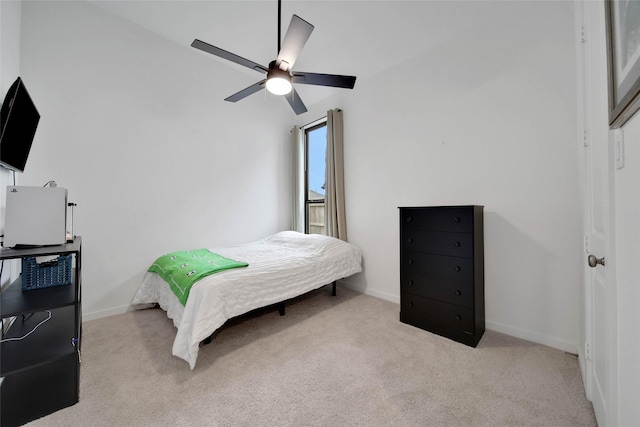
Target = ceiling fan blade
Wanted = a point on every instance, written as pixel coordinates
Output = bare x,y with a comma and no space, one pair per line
294,40
247,91
206,47
334,80
296,103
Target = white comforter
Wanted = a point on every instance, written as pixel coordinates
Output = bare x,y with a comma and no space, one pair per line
281,266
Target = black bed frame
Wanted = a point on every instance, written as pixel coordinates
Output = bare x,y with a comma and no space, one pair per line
280,305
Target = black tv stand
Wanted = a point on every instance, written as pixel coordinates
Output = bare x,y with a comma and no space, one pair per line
40,372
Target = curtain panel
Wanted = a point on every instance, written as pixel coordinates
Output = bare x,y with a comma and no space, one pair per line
335,216
297,179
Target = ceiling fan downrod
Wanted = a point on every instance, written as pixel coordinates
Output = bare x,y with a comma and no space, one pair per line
279,24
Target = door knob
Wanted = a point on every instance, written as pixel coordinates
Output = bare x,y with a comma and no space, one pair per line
593,261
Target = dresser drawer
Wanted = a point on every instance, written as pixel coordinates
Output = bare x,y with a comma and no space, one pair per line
433,266
438,242
453,292
424,312
456,219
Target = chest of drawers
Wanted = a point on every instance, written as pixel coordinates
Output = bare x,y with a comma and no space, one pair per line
442,271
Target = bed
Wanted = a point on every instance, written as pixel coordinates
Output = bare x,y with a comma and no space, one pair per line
282,266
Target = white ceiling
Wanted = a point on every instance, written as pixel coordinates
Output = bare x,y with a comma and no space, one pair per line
357,37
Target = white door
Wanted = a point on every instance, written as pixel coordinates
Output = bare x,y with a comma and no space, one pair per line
598,356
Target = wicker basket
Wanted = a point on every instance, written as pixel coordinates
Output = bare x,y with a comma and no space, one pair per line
56,272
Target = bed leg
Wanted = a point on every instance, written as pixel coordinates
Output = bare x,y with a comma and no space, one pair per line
333,289
281,308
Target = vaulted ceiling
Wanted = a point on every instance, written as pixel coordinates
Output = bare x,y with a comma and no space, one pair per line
360,38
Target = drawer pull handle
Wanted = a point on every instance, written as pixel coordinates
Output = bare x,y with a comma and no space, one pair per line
458,317
409,240
458,293
456,219
410,304
410,261
409,219
458,268
410,282
456,244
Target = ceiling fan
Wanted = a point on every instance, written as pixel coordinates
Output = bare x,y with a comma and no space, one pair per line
280,75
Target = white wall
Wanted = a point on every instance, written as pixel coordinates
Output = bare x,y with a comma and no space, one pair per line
9,70
487,118
134,127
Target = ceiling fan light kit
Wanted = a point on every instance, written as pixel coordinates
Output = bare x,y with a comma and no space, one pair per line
278,82
280,77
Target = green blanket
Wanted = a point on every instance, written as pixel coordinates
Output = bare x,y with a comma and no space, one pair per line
184,268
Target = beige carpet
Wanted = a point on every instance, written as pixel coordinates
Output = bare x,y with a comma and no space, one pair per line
331,361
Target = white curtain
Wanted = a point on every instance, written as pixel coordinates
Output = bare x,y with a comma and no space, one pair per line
297,179
335,218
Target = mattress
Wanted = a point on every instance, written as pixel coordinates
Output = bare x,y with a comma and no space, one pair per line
281,266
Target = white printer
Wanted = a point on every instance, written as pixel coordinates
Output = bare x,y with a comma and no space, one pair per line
35,216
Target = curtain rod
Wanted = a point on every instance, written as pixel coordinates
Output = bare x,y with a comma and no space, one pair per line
315,122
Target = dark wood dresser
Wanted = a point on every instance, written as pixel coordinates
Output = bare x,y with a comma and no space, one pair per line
442,270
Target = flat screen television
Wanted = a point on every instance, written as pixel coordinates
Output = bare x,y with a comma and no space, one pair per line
18,119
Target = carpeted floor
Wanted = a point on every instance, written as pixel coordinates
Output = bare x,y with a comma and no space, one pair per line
330,361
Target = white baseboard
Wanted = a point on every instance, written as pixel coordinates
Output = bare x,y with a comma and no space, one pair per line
524,334
570,347
377,294
106,313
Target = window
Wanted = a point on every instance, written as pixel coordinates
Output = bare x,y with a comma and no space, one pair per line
315,148
317,199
